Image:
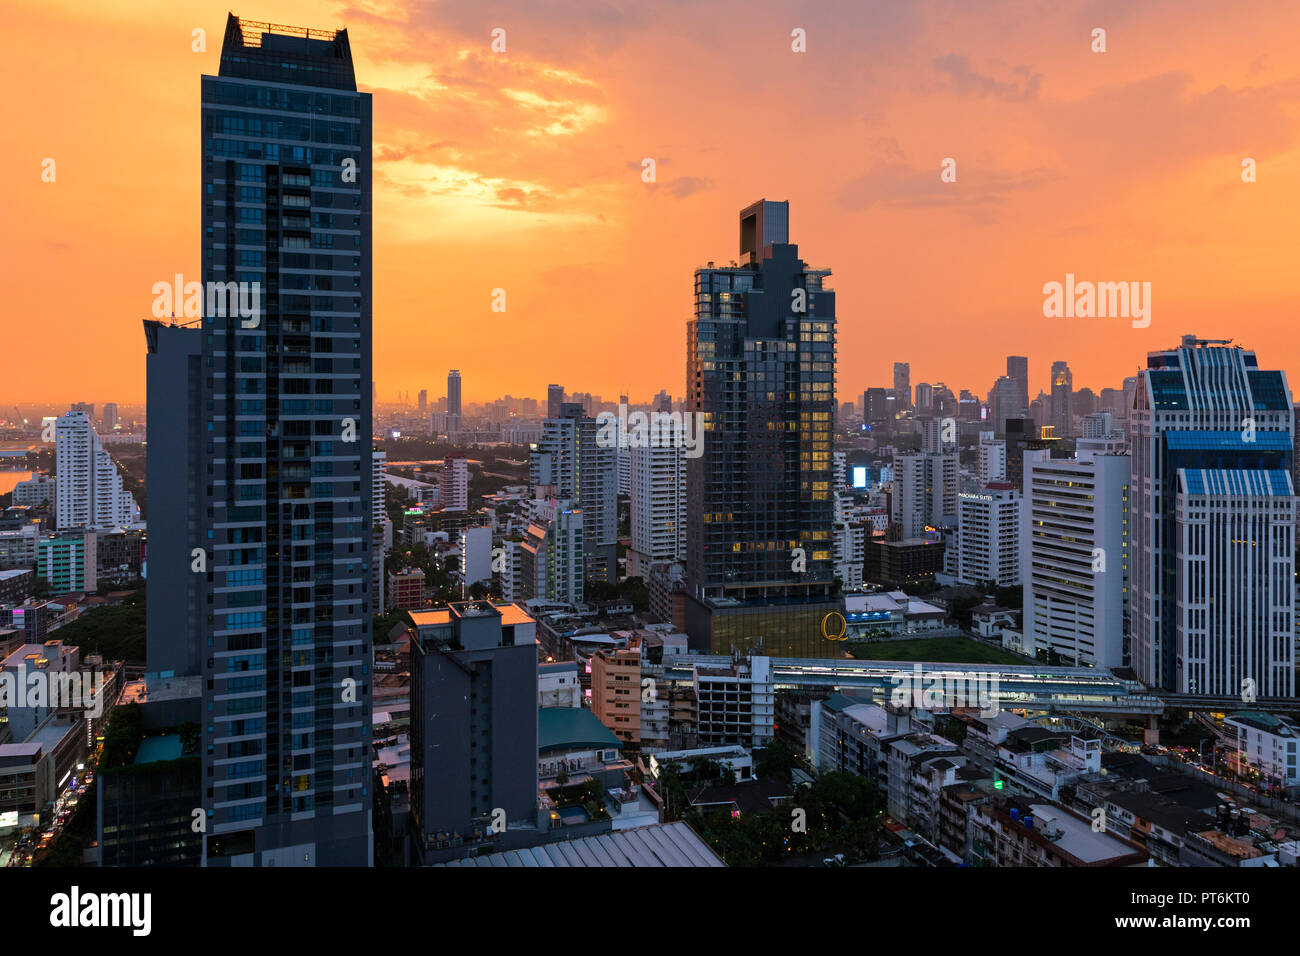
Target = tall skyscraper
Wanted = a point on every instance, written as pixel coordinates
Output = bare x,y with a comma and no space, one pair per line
1004,403
549,562
422,402
110,416
581,470
1213,523
175,434
89,494
1062,399
1018,371
381,525
454,483
554,399
903,384
760,514
925,488
992,461
453,402
285,482
1075,558
623,455
658,506
879,406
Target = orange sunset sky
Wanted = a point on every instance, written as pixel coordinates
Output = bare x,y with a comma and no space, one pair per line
523,171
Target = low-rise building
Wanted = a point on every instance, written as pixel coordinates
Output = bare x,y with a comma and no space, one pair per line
1268,745
1009,831
405,589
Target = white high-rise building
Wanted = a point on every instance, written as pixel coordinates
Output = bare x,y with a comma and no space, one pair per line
992,459
850,550
455,484
89,492
381,527
475,557
575,460
1075,560
840,469
1212,524
35,490
550,558
924,491
988,536
658,503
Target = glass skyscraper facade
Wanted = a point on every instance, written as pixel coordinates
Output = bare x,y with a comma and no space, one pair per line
285,480
761,372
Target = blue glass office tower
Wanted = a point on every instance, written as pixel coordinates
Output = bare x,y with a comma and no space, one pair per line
760,504
285,485
1212,512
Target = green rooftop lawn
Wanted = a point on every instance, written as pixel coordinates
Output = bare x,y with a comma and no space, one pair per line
955,650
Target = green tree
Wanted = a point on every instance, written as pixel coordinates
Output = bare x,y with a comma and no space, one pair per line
778,761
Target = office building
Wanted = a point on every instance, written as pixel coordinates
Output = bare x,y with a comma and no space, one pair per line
1004,403
1075,567
453,403
1212,524
1023,435
1018,371
109,421
285,475
1062,399
879,406
903,384
554,399
760,514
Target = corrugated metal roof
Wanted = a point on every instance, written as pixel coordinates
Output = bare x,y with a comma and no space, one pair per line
671,844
